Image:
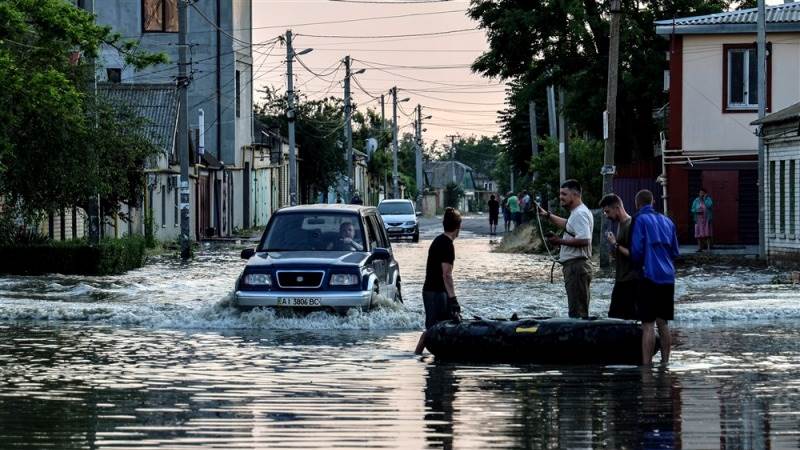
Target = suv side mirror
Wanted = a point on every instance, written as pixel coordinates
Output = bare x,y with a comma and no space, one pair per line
380,254
419,213
248,253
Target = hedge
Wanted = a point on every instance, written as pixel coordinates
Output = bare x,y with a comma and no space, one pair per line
109,257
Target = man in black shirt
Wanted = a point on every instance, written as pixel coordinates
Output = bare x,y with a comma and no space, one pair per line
494,214
438,291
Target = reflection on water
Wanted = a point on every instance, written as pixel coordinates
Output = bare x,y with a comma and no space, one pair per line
158,359
104,387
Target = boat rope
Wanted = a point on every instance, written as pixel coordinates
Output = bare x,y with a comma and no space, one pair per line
544,241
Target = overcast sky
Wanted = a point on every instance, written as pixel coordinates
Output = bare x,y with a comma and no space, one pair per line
433,70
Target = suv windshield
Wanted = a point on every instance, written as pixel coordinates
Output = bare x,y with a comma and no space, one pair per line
314,232
396,209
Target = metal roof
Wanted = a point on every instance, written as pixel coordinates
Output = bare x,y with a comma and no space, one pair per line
780,18
785,115
156,103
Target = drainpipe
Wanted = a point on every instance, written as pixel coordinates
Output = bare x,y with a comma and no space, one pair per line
219,85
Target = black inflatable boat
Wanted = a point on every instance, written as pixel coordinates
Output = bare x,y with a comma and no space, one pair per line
538,340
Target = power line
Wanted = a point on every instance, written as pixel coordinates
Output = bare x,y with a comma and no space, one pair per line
363,19
452,101
387,36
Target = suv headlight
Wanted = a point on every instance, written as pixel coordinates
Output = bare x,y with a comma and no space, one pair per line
258,279
410,223
344,279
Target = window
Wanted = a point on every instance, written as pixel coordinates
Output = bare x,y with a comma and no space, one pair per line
377,228
311,231
792,197
740,78
772,197
176,211
238,94
160,16
783,196
163,206
114,74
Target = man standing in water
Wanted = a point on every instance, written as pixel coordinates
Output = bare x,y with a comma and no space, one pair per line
438,291
576,246
654,244
623,297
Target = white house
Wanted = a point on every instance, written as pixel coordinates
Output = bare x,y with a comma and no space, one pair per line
712,101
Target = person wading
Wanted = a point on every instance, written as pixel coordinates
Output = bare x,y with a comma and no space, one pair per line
438,291
623,296
576,247
654,244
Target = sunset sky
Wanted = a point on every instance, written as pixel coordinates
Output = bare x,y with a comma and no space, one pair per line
431,70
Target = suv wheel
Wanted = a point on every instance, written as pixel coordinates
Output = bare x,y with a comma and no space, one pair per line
416,236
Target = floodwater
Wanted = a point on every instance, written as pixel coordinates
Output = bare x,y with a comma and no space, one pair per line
158,359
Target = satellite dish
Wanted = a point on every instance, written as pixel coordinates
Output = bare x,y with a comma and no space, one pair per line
372,145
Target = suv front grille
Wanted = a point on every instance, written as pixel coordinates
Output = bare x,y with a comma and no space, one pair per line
300,278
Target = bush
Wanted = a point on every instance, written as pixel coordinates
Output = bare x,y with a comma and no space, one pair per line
109,257
452,194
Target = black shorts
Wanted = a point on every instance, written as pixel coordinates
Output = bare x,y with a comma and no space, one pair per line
623,300
436,309
655,301
493,219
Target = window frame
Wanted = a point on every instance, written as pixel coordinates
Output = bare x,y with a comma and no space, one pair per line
726,107
163,17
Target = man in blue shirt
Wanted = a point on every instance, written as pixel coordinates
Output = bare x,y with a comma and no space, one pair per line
654,244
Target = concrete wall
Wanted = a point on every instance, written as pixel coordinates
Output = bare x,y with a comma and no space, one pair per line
705,127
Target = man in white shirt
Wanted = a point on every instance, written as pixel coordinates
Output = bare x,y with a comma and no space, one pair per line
576,247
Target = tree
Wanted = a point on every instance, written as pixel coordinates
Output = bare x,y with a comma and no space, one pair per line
584,158
565,43
319,125
59,145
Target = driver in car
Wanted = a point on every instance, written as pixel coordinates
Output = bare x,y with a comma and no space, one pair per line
345,242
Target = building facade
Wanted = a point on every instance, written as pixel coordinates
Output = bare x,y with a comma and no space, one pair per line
221,91
712,82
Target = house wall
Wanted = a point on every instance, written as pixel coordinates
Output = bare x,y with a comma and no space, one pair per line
782,207
215,59
705,127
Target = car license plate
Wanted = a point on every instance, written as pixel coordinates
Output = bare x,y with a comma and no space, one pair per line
299,301
395,229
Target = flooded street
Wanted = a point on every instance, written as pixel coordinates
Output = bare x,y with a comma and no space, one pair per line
158,359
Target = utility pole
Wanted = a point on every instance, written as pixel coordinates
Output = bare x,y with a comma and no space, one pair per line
348,131
395,187
610,122
453,156
761,53
418,155
552,122
183,129
534,134
348,128
93,208
562,137
383,113
290,116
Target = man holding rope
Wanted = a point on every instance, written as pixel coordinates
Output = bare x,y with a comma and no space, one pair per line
576,247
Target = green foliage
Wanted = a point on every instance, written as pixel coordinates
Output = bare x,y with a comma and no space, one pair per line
110,257
452,194
319,125
565,43
480,153
585,161
58,144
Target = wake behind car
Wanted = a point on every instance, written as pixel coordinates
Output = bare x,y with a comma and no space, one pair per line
320,257
400,219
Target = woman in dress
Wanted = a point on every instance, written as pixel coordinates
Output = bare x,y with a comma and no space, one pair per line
701,210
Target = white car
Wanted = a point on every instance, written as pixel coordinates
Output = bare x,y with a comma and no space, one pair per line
400,219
